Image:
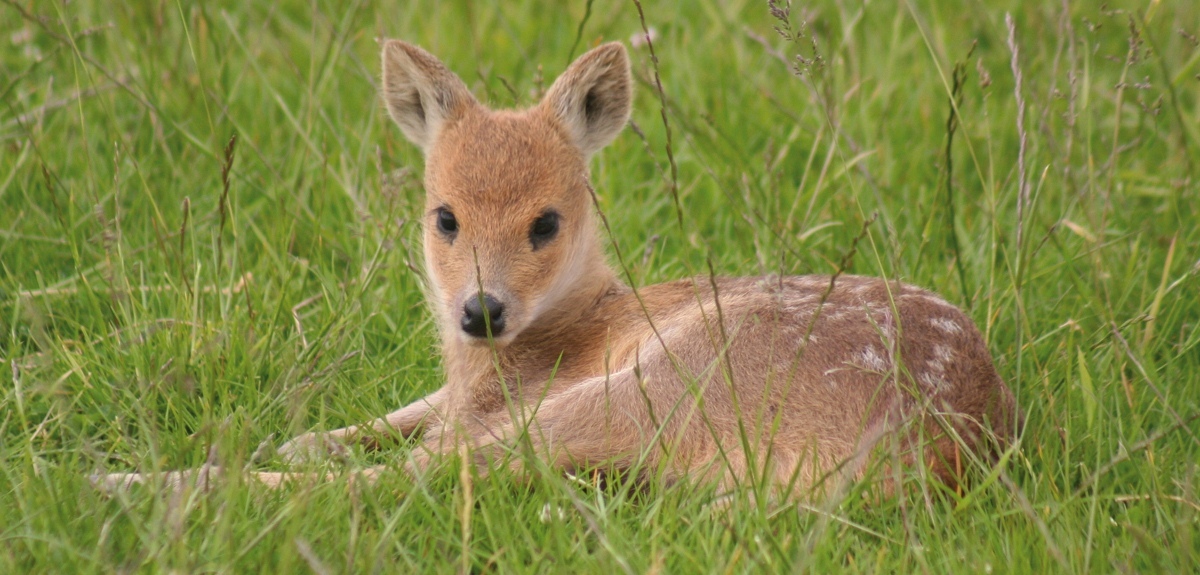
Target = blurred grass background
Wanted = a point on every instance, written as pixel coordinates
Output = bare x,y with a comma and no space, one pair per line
207,243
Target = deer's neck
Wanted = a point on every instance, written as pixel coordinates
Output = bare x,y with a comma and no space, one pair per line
480,377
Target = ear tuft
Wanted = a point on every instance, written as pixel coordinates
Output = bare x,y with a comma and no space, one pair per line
420,93
593,98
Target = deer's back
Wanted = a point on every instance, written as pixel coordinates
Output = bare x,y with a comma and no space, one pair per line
801,364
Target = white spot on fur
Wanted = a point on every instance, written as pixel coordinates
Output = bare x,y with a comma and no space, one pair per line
942,355
933,382
934,377
832,313
947,325
868,358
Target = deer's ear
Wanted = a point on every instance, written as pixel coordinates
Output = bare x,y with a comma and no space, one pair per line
593,98
420,93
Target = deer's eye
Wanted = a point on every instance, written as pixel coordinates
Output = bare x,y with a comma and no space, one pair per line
446,223
543,229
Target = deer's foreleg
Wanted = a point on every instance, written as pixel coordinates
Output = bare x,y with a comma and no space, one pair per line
405,422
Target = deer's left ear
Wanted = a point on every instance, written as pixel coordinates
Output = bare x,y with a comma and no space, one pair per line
593,98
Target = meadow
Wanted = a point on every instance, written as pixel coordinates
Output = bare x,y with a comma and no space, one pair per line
209,243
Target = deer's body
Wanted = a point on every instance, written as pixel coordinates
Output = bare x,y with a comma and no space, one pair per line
795,379
659,383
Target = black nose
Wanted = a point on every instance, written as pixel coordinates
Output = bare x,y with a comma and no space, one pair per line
481,312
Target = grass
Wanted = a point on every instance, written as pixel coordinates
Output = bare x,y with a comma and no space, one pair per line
166,294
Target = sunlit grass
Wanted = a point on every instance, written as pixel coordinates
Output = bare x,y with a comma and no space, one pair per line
155,314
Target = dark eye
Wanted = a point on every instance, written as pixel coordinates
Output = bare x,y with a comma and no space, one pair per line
544,229
446,223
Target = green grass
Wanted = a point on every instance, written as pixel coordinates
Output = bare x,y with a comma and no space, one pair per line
150,312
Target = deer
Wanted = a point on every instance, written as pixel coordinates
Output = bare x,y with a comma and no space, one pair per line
800,383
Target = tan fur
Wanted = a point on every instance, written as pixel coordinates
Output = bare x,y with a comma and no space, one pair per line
793,379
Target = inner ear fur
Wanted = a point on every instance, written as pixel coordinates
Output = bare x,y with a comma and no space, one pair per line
592,99
420,93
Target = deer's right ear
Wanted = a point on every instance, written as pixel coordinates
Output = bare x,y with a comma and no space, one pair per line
420,93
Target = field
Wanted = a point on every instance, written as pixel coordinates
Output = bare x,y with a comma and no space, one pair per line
209,243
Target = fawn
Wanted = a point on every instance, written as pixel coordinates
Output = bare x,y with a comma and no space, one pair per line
792,380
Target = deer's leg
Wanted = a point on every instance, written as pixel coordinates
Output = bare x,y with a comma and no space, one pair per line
405,421
603,422
206,477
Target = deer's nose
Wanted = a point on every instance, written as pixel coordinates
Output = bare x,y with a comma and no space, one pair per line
480,313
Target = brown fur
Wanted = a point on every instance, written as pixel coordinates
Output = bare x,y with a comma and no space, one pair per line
791,379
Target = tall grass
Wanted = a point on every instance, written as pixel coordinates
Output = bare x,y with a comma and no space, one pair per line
171,295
